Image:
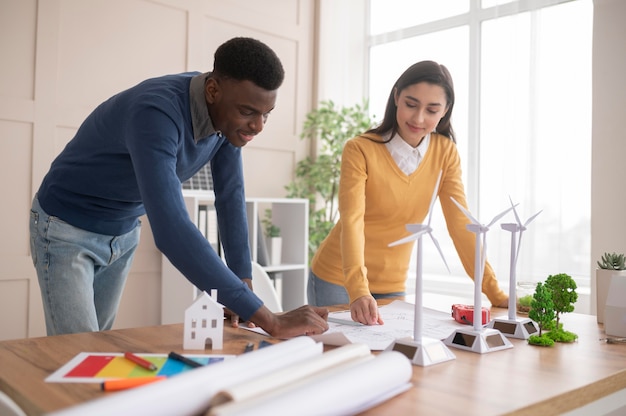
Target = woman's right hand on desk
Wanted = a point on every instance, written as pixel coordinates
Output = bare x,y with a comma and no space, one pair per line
305,320
365,311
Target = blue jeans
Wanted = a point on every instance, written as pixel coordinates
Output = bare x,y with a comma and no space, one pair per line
323,293
81,274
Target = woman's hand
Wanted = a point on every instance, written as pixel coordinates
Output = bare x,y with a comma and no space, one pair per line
365,311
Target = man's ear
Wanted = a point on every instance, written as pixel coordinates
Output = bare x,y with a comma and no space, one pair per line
211,90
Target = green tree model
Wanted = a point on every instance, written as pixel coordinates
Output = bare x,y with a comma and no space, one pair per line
564,294
542,312
563,289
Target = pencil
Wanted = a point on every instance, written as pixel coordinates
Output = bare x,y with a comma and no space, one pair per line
140,361
183,359
343,321
127,383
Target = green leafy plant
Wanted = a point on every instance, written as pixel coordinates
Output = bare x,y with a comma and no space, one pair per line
612,261
542,312
317,177
271,230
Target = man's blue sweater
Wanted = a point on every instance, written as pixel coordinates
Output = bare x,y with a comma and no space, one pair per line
130,156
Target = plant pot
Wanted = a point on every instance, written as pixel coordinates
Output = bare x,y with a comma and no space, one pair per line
524,294
603,280
275,250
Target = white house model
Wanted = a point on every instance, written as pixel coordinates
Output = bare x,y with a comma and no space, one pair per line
204,319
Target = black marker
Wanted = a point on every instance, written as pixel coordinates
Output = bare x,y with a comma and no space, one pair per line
185,360
264,344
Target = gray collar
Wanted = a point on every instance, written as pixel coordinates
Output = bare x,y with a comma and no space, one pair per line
200,118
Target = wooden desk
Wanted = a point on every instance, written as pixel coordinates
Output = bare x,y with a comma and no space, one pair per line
473,384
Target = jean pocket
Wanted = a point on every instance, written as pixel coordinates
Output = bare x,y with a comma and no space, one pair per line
34,224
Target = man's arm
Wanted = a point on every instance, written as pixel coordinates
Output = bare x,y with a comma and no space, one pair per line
153,150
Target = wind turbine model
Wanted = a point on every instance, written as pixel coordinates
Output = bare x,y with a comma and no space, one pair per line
515,327
421,350
478,339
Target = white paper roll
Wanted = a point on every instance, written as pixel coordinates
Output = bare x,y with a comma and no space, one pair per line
189,393
292,374
340,391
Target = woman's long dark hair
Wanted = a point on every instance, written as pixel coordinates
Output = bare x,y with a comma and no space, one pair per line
424,71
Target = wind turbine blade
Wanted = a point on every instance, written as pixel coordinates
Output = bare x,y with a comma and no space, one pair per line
519,239
439,249
500,215
434,198
519,222
466,212
417,228
408,239
531,218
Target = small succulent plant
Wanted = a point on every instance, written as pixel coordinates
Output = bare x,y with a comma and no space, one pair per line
612,261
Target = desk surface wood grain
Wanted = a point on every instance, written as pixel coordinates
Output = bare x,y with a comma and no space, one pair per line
514,380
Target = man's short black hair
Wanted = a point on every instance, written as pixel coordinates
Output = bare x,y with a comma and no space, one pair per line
249,59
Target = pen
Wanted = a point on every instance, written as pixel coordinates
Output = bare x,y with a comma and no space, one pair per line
127,383
183,359
248,347
343,321
140,361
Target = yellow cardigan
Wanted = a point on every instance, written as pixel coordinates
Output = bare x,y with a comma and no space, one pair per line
376,201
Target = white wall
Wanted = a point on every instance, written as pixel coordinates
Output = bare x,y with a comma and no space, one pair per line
61,58
608,169
342,64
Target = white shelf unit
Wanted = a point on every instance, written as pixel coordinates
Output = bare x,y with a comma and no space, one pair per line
291,215
290,277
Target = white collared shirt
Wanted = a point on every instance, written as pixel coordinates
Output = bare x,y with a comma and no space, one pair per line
407,157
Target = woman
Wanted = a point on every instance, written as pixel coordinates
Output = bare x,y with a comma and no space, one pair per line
388,175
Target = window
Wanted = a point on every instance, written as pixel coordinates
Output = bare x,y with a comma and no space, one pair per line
522,75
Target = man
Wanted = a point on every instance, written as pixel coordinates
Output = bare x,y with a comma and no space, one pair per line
129,157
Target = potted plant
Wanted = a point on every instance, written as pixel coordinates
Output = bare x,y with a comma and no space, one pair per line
524,291
317,177
610,264
275,242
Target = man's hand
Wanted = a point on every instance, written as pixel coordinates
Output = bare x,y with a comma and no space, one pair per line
306,320
365,311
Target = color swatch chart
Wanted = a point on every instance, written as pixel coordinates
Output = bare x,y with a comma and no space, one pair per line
92,367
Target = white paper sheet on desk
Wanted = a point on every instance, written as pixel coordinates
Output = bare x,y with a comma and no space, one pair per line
398,317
